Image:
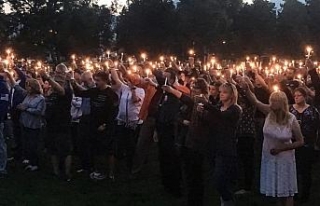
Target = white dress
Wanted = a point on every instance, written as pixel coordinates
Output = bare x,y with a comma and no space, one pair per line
278,173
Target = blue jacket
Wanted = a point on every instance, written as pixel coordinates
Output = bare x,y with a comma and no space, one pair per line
4,99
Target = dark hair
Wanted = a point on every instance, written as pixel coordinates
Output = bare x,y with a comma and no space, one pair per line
103,76
216,84
34,85
79,71
172,72
302,90
202,85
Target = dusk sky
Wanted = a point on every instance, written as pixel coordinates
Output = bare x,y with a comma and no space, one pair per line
108,2
249,1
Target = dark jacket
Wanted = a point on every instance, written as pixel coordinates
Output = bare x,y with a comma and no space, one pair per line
316,83
4,99
223,126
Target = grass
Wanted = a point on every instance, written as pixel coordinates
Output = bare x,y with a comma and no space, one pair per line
40,188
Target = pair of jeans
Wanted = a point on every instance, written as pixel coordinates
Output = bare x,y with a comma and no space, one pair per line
245,149
31,140
305,158
85,143
225,176
126,144
144,143
92,143
169,159
193,168
3,150
75,137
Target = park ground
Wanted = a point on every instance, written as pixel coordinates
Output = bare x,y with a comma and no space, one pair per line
40,188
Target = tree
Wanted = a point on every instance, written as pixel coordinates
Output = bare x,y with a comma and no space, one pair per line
59,27
205,24
147,25
255,28
313,7
292,29
3,25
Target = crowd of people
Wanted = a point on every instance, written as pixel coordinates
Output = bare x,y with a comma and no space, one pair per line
195,116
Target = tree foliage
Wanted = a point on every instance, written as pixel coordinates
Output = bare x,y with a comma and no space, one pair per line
226,27
148,25
58,27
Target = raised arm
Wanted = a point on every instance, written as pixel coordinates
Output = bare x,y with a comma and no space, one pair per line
12,82
55,85
78,89
181,88
21,76
183,98
116,79
264,108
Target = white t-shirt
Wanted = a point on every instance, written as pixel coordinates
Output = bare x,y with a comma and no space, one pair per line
128,110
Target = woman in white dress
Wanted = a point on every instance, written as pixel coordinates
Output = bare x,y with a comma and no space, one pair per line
278,176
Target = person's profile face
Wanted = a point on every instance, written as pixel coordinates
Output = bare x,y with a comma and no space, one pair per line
28,87
100,83
183,77
77,77
46,85
213,91
169,77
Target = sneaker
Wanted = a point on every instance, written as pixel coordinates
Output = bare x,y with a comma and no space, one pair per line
31,168
80,170
97,176
10,159
111,176
155,138
242,192
28,168
68,178
227,203
34,168
25,162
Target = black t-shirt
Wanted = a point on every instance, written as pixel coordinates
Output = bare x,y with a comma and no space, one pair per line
104,105
168,109
263,96
58,109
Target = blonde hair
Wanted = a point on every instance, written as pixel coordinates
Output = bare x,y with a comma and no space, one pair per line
282,115
35,86
232,89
